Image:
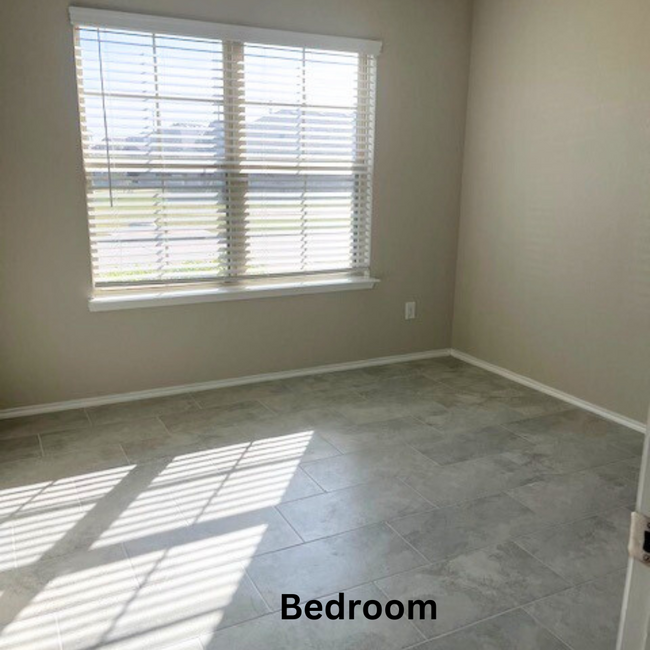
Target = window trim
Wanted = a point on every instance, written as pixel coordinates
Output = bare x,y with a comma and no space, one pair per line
101,18
128,296
153,297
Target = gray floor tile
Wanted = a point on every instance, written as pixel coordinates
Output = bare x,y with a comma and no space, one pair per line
563,455
236,536
196,503
623,476
298,486
19,448
391,370
305,421
584,617
457,419
353,438
471,444
316,399
380,404
272,633
472,479
233,483
388,461
512,631
454,397
110,413
459,529
332,564
164,447
330,381
576,425
207,421
234,394
30,425
77,439
484,383
472,587
66,582
362,505
413,383
35,471
186,593
585,549
455,376
532,404
567,497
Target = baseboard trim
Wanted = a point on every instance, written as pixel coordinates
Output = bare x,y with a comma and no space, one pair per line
88,402
553,392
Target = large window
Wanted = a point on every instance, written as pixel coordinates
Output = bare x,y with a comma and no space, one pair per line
217,154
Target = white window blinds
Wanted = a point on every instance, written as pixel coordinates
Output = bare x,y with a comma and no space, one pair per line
215,153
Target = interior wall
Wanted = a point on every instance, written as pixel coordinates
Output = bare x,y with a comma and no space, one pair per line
554,254
52,348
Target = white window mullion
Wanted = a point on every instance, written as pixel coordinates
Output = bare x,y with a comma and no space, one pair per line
161,238
304,243
236,182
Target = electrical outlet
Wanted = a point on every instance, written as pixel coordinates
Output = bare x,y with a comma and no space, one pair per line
409,310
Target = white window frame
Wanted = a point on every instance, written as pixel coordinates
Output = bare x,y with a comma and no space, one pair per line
133,296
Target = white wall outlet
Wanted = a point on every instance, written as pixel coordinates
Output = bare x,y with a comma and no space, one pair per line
409,310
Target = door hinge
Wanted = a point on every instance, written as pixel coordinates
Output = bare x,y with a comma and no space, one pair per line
639,545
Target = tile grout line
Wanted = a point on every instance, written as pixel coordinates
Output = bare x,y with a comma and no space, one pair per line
304,541
324,491
411,623
548,629
40,444
550,525
433,505
520,606
554,526
87,414
257,589
551,569
426,560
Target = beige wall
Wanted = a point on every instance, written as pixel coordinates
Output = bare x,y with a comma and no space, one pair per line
554,258
52,348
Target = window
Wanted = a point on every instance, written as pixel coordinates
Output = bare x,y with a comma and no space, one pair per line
223,155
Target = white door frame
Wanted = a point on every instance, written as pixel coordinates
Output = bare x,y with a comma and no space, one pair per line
635,615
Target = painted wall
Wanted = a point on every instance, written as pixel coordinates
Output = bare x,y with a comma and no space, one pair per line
52,348
554,256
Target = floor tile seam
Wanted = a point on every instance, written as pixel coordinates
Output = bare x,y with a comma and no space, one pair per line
286,520
548,629
370,582
623,503
570,522
421,555
393,479
402,480
544,564
509,610
412,625
259,593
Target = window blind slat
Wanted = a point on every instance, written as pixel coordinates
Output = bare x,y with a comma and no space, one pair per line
223,160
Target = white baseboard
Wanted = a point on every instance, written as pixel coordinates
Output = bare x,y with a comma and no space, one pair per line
543,388
88,402
316,370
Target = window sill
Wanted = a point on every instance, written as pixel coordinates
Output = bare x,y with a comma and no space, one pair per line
169,297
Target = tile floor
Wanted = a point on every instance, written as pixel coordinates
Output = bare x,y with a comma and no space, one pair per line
178,522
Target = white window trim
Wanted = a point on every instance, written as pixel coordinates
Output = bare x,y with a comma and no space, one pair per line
184,296
139,297
207,29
